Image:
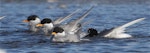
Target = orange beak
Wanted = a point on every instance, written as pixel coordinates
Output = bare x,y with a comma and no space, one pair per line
54,33
39,25
25,21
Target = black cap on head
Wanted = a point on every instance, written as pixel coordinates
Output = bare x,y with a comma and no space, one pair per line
92,32
58,30
32,17
46,20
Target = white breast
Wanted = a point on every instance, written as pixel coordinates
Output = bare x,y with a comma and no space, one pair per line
48,26
33,23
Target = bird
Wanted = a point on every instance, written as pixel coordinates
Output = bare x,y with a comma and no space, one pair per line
115,32
48,24
69,32
32,21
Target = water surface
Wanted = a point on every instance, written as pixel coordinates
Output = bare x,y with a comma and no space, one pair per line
14,37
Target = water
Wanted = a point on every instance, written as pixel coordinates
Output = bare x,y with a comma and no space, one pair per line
14,37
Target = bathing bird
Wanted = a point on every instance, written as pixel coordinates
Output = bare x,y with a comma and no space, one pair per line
70,31
32,21
48,24
115,32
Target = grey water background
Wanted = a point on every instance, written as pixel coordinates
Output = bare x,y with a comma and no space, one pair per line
14,37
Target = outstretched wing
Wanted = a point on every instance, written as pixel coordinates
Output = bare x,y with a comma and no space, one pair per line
131,23
76,23
60,20
80,25
122,28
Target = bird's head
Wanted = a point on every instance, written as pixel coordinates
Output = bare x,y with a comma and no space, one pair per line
45,22
32,18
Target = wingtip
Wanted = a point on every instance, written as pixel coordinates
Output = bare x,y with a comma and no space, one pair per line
143,18
2,17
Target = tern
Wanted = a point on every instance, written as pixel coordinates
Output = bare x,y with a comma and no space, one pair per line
48,24
115,32
69,32
32,21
